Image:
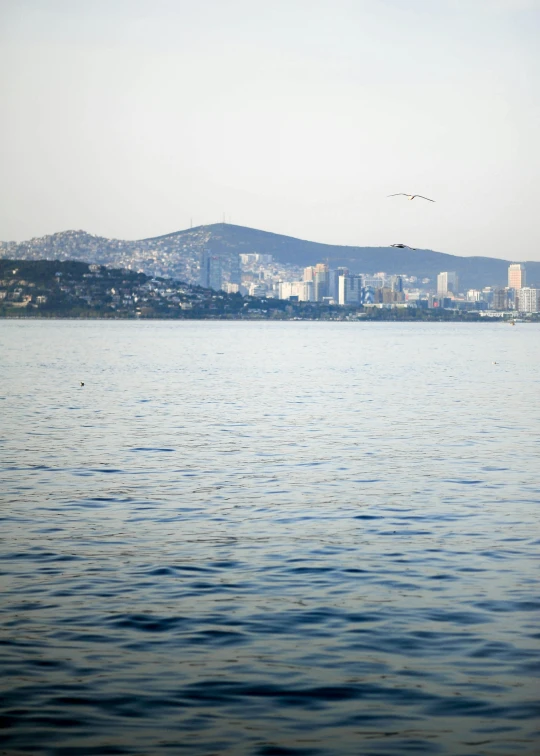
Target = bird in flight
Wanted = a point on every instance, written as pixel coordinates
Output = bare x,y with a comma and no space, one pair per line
402,246
410,196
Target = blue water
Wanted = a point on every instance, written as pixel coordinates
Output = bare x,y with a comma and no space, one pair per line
269,538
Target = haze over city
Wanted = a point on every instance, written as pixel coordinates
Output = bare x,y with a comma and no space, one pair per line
133,119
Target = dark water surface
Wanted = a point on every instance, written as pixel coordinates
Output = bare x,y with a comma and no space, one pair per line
269,538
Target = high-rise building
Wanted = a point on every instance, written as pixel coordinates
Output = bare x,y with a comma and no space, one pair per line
333,282
235,269
528,300
500,299
350,289
447,282
210,273
321,281
396,283
517,276
309,273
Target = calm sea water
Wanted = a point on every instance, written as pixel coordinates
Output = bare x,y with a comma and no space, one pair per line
269,538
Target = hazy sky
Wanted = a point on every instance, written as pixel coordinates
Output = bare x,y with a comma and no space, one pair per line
133,118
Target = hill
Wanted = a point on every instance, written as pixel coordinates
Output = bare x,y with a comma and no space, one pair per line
177,254
73,289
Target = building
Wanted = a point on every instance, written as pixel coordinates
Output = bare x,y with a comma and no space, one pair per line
234,288
210,271
517,276
321,281
396,284
474,295
387,295
376,281
309,273
303,291
528,300
235,269
257,289
447,282
500,299
333,282
350,289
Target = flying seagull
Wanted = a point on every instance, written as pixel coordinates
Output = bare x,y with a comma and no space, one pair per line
410,196
402,246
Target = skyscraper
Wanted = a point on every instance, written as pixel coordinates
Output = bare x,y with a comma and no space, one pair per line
210,275
396,284
320,281
350,289
517,277
235,269
447,282
333,282
500,299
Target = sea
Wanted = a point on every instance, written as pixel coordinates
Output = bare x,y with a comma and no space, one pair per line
269,538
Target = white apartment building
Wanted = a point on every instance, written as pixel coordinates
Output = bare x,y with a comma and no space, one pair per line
304,290
527,299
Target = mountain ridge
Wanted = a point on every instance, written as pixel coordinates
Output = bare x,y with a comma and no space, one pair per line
177,254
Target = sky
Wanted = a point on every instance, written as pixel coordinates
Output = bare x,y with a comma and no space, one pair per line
135,118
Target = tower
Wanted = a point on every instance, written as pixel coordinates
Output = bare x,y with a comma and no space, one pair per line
320,280
447,282
235,269
517,276
350,289
210,274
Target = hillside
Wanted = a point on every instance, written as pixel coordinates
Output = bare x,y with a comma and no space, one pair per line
177,254
73,289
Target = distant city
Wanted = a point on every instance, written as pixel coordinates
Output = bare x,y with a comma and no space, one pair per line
258,276
267,266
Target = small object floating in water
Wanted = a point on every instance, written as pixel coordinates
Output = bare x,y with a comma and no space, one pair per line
82,383
494,363
402,246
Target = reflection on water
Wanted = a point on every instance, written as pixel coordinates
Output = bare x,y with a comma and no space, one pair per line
269,538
